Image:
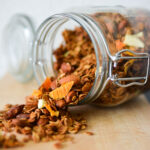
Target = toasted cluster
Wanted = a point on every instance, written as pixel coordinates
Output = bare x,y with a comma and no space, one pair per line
37,124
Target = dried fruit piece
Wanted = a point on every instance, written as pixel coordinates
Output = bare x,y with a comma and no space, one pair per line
47,83
41,103
52,112
128,64
127,53
62,91
119,45
133,40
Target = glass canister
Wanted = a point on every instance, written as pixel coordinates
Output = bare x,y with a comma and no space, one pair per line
120,38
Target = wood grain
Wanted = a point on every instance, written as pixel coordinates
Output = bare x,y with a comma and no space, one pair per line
126,127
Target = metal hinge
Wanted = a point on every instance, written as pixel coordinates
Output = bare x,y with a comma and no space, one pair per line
134,80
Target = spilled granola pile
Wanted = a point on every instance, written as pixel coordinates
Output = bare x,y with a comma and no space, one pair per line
44,116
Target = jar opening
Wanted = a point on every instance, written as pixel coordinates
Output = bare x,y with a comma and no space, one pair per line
49,37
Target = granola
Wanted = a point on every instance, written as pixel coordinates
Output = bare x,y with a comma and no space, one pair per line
45,115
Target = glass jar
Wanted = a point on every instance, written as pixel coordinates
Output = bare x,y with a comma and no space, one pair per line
120,38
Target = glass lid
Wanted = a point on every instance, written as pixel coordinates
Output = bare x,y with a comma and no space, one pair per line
17,41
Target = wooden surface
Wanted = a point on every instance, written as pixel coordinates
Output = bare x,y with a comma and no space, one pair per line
126,127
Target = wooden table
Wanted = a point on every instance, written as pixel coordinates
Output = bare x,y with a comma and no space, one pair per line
126,127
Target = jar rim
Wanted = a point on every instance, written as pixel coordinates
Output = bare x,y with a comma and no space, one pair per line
97,39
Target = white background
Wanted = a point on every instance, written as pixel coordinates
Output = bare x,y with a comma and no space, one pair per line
41,9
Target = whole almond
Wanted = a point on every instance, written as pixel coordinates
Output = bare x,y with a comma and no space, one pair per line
122,24
13,111
69,78
66,67
71,95
110,27
60,103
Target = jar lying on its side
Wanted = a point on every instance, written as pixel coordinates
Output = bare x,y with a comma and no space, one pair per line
109,52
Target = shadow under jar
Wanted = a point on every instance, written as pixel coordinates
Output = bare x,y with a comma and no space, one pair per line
120,40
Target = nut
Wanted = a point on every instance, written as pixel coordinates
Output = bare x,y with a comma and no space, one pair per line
13,111
122,24
69,78
60,103
66,67
71,97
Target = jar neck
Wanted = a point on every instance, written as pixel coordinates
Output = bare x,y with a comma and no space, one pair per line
43,49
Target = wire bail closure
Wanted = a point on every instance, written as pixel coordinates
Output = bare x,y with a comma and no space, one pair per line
117,57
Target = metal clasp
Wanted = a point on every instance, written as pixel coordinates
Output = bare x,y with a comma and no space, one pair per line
133,80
